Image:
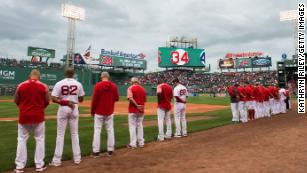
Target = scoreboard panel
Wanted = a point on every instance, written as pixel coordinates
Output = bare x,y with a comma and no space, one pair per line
181,57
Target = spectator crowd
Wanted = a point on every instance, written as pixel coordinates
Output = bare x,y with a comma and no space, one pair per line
199,82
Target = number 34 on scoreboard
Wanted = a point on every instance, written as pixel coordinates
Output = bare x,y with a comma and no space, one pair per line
180,57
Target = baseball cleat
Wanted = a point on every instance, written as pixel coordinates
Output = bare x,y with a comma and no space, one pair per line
41,169
168,138
95,154
130,146
18,170
177,136
77,162
141,146
55,164
109,153
185,135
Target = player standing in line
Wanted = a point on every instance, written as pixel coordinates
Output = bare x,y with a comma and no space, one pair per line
277,100
233,93
32,97
282,100
67,93
102,108
266,102
272,98
249,101
165,95
180,99
242,106
288,100
261,103
137,97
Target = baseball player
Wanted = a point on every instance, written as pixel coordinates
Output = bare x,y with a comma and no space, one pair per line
180,99
102,108
241,104
266,102
165,95
282,100
137,97
32,97
249,101
261,101
67,93
233,93
271,91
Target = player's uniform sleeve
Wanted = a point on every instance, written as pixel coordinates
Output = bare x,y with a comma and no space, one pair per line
56,92
81,92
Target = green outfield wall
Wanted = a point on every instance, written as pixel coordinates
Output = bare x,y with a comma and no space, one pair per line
12,76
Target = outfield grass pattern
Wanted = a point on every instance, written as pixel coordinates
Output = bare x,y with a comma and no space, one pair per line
8,133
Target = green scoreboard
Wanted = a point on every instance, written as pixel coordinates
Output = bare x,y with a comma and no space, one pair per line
181,57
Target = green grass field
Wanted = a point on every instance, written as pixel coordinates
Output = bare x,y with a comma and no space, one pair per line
8,131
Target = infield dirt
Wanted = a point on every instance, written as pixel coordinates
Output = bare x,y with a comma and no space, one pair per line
276,144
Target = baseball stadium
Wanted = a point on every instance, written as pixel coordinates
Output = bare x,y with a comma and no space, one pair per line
240,110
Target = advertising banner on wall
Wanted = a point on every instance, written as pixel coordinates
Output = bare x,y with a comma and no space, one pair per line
41,52
243,63
226,63
115,61
261,62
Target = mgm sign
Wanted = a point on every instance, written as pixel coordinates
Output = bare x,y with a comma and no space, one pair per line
7,75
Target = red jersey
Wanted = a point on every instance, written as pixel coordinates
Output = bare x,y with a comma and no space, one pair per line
230,91
271,91
166,95
266,94
138,93
261,94
104,97
32,99
249,92
241,91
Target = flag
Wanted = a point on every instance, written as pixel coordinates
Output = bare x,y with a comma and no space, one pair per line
142,55
87,54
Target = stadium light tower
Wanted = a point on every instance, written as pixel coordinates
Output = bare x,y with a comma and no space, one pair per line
292,16
73,14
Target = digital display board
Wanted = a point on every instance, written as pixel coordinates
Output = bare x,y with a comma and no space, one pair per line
181,57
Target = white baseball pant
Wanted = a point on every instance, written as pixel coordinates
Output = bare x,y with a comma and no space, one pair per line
282,105
180,119
266,105
272,106
66,114
136,129
23,136
99,120
243,112
164,115
235,112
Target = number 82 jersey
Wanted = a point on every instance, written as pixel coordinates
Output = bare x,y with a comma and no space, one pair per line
180,91
68,89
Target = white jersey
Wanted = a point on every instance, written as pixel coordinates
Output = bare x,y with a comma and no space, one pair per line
68,89
180,91
282,93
